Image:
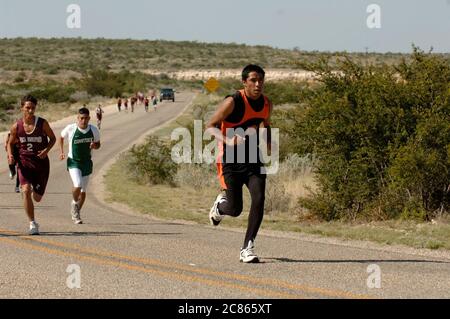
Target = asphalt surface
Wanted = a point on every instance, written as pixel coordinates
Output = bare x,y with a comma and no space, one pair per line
121,254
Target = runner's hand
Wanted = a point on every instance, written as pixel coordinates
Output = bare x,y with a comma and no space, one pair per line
62,156
93,146
11,160
42,154
238,140
235,140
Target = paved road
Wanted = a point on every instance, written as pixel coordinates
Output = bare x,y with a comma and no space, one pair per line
124,255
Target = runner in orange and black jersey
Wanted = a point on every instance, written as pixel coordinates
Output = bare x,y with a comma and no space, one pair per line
246,109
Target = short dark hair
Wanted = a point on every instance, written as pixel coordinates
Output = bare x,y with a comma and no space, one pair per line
83,110
252,68
28,98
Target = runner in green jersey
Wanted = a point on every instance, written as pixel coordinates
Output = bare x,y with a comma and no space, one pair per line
82,139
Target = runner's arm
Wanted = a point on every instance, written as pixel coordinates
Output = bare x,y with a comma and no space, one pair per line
222,112
52,140
267,126
6,141
10,144
96,143
61,148
64,135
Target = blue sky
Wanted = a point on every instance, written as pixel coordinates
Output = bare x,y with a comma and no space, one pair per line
324,25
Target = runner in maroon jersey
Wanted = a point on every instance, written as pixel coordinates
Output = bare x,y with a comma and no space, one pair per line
36,138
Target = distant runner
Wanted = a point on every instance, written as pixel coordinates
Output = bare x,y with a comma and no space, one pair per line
119,104
133,102
154,102
99,114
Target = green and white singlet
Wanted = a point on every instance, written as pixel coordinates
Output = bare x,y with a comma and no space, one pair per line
79,141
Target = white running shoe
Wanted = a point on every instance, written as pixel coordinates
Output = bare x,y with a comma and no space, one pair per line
11,175
214,216
248,255
75,212
17,189
34,228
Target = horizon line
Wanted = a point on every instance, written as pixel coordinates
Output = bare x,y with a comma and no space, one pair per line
293,49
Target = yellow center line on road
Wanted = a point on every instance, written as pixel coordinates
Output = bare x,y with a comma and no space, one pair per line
170,275
203,271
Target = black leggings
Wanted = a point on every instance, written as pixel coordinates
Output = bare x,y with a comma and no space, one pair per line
256,184
13,170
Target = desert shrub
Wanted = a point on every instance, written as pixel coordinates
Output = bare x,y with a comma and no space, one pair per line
380,132
20,78
197,176
284,92
151,162
7,103
53,93
100,82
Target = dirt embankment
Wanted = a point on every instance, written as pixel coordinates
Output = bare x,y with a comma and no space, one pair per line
271,74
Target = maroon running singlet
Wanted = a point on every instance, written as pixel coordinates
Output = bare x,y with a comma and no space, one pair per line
32,169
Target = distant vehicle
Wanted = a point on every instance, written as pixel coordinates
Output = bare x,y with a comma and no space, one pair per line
167,94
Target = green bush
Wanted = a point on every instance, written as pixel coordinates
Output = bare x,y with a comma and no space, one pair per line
151,162
51,70
382,135
284,92
7,103
19,79
421,168
100,82
7,106
53,94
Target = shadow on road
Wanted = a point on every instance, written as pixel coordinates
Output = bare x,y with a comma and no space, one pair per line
364,261
137,224
37,208
82,234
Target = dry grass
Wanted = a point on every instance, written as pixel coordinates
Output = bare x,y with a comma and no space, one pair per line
294,180
193,204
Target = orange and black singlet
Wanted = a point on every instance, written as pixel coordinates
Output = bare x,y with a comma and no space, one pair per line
246,113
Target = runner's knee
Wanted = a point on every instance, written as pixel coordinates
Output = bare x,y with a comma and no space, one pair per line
234,210
37,198
26,189
237,211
